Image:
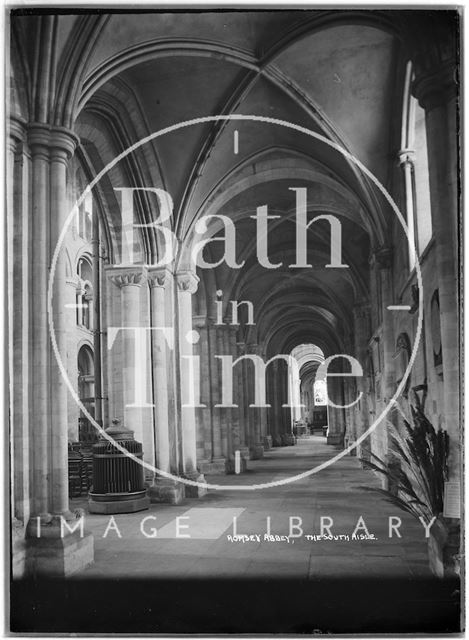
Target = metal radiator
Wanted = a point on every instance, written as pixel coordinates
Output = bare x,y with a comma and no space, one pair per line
113,471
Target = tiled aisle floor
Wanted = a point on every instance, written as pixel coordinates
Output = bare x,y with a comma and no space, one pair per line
334,492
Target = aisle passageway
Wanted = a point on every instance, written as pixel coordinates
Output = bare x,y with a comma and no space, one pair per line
236,279
333,493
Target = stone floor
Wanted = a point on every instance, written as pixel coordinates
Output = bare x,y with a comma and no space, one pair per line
335,492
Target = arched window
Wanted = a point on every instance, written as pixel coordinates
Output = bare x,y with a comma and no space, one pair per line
313,391
84,229
421,180
320,393
86,374
413,158
86,307
85,294
85,210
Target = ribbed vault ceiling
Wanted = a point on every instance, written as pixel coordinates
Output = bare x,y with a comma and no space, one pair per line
150,71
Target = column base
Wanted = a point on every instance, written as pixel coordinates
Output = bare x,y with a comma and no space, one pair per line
244,452
288,439
18,549
245,455
54,551
109,503
192,491
276,441
217,466
334,439
256,452
267,442
167,491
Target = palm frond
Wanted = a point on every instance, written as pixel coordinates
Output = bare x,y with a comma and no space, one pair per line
418,481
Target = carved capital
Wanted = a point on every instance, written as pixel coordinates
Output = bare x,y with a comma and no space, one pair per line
199,321
253,348
433,41
241,346
59,142
63,143
159,277
437,87
187,281
127,276
16,133
38,139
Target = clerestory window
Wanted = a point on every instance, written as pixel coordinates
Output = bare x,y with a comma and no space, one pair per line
413,158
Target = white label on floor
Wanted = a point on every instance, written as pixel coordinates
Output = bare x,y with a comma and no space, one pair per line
200,523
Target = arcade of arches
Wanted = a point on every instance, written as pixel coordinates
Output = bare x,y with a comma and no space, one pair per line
83,89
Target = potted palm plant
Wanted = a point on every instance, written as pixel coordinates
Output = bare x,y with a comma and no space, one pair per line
416,478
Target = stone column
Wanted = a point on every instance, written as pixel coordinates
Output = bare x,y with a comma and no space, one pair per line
18,234
214,461
53,548
254,414
134,365
276,405
383,260
437,92
436,88
104,304
187,283
218,461
232,436
18,238
61,150
361,324
224,412
262,412
72,360
242,401
172,383
230,416
383,257
221,417
39,146
162,489
267,439
204,417
237,427
350,394
286,435
336,427
281,383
